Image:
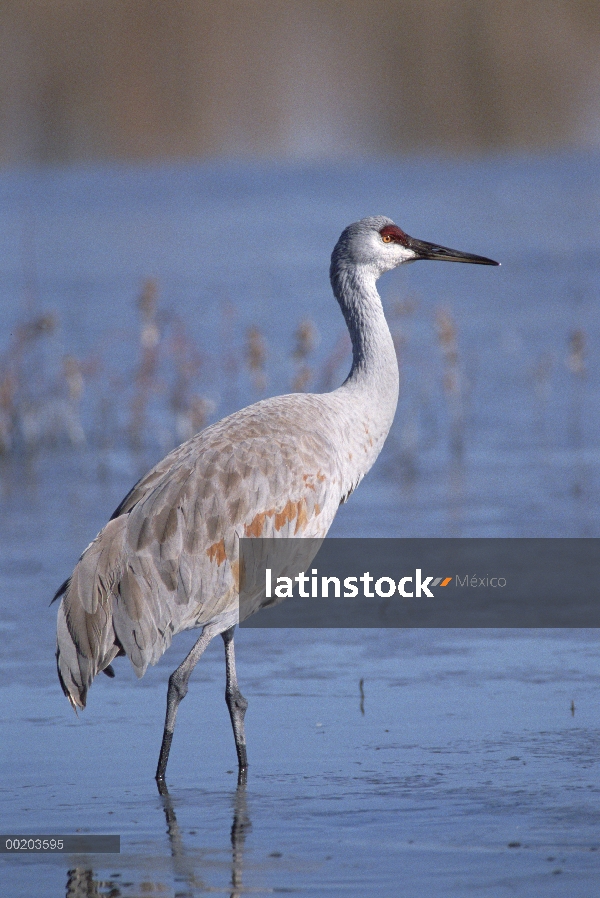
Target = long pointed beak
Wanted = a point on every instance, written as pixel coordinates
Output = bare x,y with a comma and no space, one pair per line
434,252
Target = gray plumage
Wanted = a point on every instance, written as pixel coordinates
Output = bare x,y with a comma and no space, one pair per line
168,559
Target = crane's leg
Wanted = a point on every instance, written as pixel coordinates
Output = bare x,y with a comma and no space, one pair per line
236,703
178,687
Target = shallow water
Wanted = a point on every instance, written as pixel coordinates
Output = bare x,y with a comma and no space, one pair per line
466,742
465,746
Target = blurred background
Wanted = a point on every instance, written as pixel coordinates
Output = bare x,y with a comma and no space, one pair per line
173,177
144,79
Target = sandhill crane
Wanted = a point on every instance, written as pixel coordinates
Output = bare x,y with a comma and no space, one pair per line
166,561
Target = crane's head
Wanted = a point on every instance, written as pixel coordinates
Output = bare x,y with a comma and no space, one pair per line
379,244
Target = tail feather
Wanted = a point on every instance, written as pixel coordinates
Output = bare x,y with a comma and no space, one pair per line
61,590
86,640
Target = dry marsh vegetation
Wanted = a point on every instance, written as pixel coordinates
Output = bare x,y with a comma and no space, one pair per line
51,399
171,387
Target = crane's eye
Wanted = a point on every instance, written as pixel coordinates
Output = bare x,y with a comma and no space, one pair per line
387,238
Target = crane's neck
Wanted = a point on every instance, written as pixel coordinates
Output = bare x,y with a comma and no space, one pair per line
374,364
369,395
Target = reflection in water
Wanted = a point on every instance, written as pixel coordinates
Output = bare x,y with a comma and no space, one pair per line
239,827
81,882
183,865
456,497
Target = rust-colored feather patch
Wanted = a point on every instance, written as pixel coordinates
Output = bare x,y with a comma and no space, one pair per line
238,575
216,552
256,526
289,512
292,511
302,517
